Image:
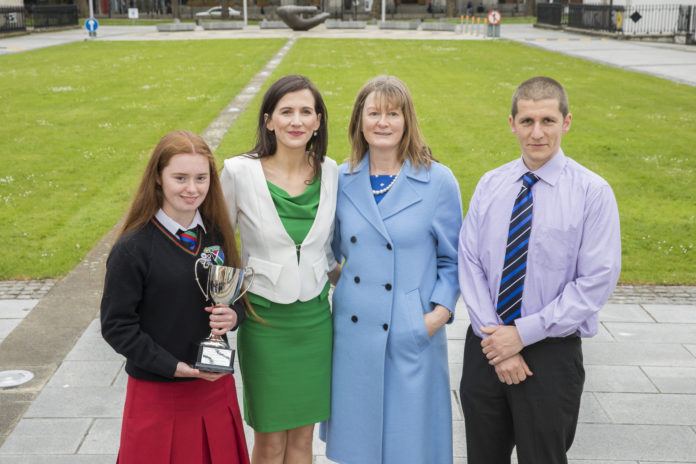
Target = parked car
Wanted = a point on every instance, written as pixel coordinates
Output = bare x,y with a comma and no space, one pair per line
216,12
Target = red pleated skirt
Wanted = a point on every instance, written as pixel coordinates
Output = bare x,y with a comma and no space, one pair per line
196,422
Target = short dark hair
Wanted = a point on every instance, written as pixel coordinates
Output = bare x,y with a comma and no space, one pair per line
540,88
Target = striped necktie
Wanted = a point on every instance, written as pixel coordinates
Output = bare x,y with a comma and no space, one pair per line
188,237
515,267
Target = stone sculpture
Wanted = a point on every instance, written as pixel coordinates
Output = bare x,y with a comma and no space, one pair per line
292,15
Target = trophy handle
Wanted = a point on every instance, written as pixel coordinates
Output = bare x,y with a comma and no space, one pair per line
246,287
204,263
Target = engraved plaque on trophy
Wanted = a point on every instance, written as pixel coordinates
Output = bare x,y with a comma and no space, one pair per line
224,286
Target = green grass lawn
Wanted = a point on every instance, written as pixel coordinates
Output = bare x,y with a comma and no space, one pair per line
635,130
78,122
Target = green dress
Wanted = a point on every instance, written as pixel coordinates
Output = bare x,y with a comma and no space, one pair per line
286,365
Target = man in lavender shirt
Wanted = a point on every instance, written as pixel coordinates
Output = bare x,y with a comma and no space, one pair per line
523,373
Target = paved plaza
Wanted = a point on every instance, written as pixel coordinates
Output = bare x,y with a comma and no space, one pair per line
639,405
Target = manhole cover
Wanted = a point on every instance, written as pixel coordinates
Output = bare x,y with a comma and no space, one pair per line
14,378
635,16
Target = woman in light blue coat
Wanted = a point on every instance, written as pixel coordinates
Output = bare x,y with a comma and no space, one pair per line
398,215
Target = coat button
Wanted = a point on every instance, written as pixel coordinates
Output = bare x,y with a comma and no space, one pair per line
385,326
357,279
353,239
388,287
389,247
354,318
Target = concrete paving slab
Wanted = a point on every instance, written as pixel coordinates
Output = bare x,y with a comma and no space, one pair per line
603,335
121,381
680,72
603,461
86,374
673,379
613,312
652,333
455,370
672,313
59,459
458,439
645,408
617,379
591,411
458,328
96,402
691,348
87,349
16,309
318,446
455,350
103,438
457,414
45,436
7,326
638,354
635,56
607,442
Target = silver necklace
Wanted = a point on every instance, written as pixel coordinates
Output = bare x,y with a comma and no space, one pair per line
386,189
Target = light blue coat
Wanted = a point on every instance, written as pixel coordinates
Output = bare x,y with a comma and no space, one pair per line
390,395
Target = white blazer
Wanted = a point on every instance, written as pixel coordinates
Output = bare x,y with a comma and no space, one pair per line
266,246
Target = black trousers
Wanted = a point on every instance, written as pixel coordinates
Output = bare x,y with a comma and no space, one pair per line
538,416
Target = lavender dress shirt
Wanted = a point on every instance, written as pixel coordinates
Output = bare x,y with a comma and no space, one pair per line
574,255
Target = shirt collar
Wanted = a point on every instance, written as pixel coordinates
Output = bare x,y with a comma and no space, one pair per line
549,172
173,227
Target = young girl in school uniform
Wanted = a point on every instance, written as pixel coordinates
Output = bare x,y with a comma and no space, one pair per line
154,314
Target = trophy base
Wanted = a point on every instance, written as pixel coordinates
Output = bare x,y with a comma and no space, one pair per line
213,357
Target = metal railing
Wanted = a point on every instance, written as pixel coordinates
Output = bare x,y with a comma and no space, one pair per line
46,16
595,17
12,18
634,19
654,19
550,13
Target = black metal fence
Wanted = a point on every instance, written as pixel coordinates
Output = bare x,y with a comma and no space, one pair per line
550,13
46,16
596,17
12,18
633,19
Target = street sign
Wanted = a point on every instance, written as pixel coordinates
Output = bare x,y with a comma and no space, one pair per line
91,25
132,13
494,17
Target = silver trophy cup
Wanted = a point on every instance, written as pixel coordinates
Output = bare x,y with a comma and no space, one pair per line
224,286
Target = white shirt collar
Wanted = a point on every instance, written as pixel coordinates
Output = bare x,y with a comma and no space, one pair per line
173,227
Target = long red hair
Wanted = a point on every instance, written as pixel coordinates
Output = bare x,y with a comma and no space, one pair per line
149,197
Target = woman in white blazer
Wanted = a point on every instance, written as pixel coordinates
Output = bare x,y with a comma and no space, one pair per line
282,199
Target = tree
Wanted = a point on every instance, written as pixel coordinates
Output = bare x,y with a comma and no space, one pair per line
451,8
224,9
530,9
82,8
175,9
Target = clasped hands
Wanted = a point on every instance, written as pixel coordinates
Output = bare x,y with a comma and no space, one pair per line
502,348
222,320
